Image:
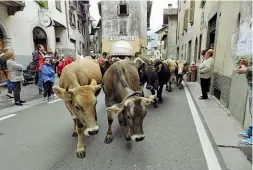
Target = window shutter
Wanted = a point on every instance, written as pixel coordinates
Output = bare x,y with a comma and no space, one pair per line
127,6
192,8
125,27
186,14
118,9
202,17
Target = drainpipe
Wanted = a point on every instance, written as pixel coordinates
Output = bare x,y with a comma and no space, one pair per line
67,21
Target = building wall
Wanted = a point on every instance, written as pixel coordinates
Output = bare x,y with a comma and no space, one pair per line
233,87
136,23
172,37
19,29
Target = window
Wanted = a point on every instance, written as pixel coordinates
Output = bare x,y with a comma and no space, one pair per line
186,16
192,8
123,27
72,19
58,5
123,8
58,40
79,26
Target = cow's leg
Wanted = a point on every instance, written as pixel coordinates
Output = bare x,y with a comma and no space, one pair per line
80,152
68,105
128,136
170,82
109,135
155,102
177,80
159,93
180,86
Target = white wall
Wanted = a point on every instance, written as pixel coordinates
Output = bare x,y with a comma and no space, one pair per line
19,28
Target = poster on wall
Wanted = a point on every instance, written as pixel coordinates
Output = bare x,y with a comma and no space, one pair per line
242,41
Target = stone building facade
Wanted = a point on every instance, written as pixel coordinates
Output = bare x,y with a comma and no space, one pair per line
201,23
125,20
170,20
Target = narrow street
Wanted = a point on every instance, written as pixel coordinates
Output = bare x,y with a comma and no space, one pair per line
40,138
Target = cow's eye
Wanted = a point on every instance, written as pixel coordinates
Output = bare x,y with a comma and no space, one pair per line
128,117
78,108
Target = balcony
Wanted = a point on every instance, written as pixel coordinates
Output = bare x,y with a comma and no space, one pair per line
13,6
73,4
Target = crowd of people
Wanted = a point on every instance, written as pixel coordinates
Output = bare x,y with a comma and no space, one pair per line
46,64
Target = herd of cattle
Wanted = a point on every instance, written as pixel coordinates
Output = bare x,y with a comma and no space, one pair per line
122,83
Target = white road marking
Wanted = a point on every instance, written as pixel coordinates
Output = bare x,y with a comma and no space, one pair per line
7,116
54,101
211,158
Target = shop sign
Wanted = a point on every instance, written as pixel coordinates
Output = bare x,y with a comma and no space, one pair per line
46,21
119,38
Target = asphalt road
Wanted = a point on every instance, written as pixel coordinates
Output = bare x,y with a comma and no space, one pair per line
39,138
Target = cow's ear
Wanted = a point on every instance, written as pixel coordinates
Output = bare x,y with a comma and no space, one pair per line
97,89
63,94
148,100
93,82
159,67
115,109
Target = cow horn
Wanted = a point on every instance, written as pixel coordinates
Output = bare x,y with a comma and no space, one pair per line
67,89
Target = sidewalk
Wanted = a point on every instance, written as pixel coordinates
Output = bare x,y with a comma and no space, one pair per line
28,93
223,129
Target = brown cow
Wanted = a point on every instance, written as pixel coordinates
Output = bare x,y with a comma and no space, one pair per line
123,98
79,89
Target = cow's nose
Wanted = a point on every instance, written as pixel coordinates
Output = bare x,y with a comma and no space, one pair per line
138,139
94,132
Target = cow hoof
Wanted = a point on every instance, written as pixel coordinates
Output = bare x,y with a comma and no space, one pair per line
74,134
180,87
161,101
108,139
81,154
169,90
128,137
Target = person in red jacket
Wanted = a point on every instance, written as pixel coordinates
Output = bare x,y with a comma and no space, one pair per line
60,66
38,59
69,59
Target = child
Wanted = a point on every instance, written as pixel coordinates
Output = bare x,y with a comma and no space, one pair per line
60,66
47,78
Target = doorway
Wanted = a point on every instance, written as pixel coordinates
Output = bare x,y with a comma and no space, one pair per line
1,40
200,44
211,30
196,50
39,37
189,52
177,53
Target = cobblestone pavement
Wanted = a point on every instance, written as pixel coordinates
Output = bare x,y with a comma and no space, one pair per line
28,93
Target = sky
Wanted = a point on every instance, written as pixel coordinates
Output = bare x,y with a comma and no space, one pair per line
156,19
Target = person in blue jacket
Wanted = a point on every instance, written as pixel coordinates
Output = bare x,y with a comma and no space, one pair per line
47,78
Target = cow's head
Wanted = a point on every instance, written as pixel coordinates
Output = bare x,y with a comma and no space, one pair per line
151,72
83,102
134,110
182,67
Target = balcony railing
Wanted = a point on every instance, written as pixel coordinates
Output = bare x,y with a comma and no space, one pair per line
13,6
73,4
79,10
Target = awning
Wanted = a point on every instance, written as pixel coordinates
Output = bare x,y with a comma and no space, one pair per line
39,33
121,48
164,37
57,24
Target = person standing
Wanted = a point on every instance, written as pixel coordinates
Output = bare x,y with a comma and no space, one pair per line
16,76
38,56
246,68
206,72
60,66
3,67
47,78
